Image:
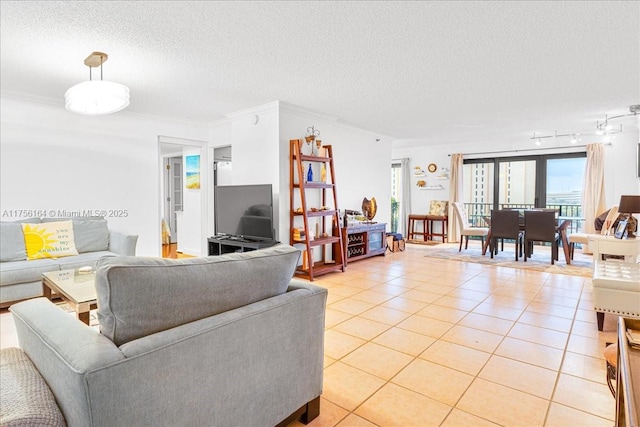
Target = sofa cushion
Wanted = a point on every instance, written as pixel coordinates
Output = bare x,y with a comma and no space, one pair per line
87,259
91,233
140,296
13,272
12,242
49,240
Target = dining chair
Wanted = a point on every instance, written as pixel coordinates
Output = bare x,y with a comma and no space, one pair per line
466,229
540,226
583,238
505,224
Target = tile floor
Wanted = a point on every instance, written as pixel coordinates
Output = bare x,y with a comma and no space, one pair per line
416,341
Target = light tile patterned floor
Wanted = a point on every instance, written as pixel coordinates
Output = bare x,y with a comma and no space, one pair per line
417,341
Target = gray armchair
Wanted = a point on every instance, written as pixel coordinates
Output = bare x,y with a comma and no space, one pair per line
216,341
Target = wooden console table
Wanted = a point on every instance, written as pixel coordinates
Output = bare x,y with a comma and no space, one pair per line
362,241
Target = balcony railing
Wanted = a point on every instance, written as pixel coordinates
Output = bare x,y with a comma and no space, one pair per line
479,210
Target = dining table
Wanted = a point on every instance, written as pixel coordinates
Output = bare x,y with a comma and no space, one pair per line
561,227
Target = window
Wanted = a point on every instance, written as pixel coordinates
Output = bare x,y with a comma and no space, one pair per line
396,193
545,181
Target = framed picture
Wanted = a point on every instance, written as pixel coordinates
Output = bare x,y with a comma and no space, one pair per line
621,230
193,172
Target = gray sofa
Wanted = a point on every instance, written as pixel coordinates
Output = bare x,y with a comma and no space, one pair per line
21,278
217,341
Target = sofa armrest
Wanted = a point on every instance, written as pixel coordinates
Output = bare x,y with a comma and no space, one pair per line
122,244
65,351
302,284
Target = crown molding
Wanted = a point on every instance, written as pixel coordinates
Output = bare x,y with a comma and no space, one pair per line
264,108
31,98
305,112
21,97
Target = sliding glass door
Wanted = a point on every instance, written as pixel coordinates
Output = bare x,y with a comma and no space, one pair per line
564,179
478,190
516,184
545,181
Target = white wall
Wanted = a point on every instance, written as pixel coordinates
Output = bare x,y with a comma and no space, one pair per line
260,155
254,151
54,160
362,164
620,174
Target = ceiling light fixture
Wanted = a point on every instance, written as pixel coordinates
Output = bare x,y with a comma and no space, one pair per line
96,97
538,138
606,128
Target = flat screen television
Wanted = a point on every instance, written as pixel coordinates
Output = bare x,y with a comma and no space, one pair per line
244,211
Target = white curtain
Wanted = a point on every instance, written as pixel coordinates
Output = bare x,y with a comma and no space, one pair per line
593,188
405,197
455,194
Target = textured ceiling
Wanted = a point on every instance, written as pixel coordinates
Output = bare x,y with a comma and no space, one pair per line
437,72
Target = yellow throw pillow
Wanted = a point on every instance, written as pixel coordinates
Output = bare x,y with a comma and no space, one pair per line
49,239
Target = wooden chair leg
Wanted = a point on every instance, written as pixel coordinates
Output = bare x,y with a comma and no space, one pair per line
572,247
466,242
461,239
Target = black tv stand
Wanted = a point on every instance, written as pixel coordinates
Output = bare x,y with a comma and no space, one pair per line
219,245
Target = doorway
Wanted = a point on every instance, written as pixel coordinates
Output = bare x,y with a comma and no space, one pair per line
172,205
173,193
182,209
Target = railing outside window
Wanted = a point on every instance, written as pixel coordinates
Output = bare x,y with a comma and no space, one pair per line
477,212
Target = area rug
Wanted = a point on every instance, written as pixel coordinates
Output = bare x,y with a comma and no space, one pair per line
423,242
540,261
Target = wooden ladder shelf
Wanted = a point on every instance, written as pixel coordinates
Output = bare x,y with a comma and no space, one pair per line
302,208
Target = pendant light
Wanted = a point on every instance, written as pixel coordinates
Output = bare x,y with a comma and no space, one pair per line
96,97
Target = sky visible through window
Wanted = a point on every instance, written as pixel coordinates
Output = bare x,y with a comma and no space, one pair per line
565,175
